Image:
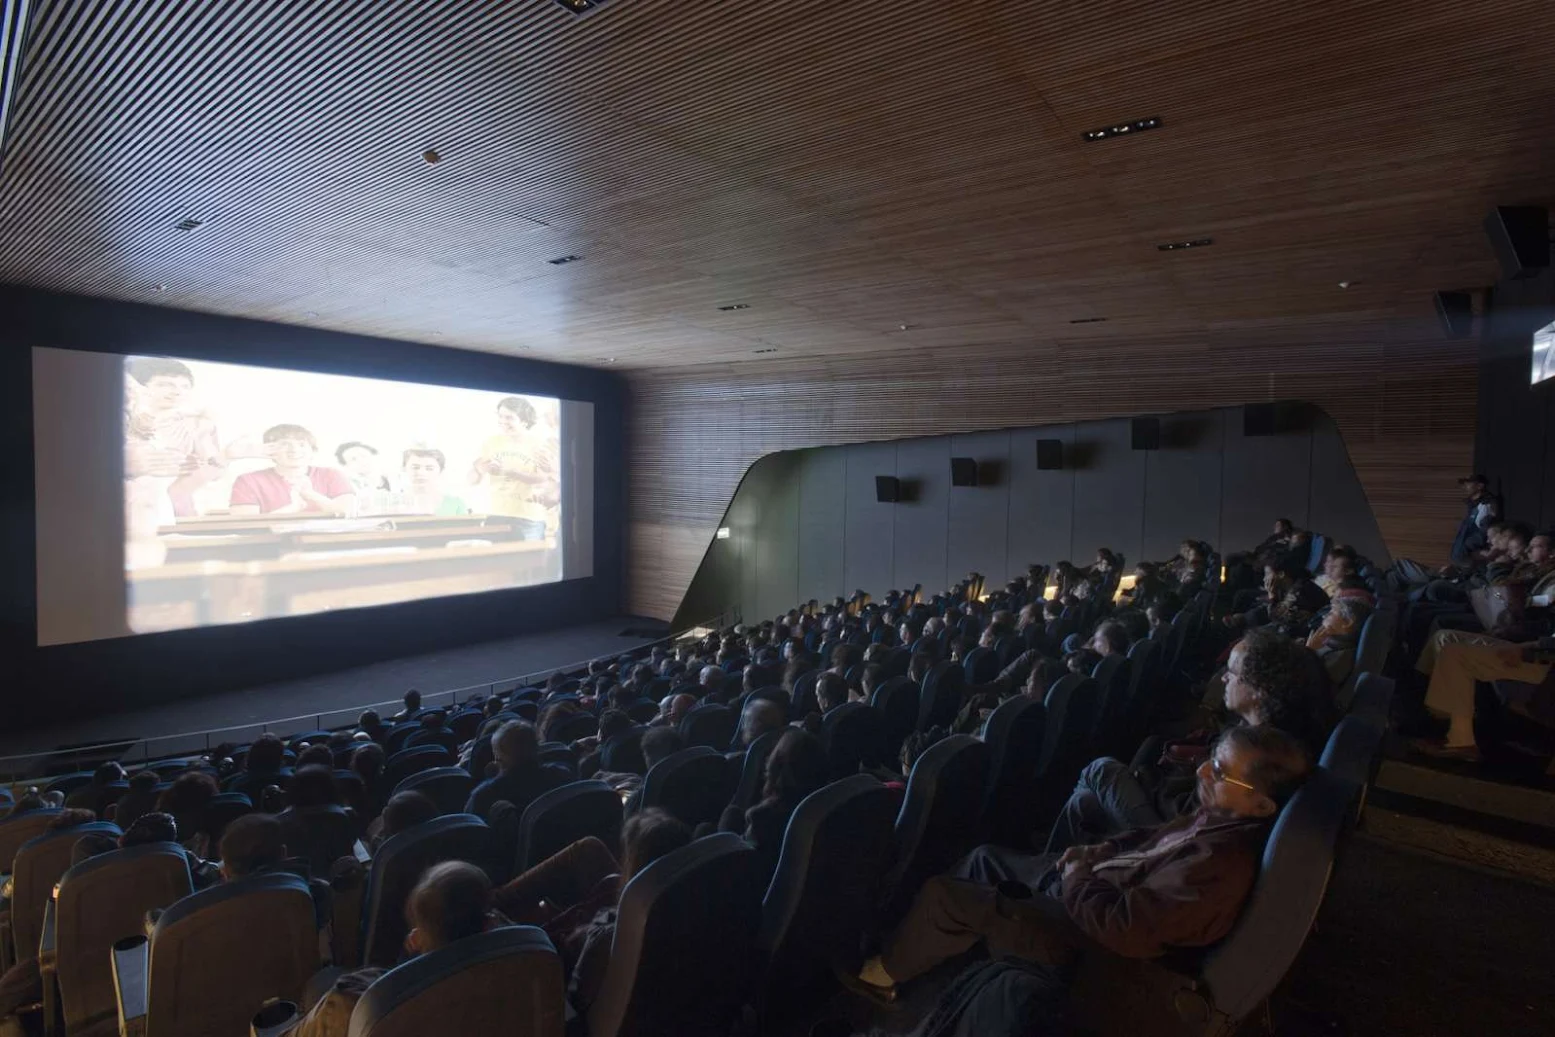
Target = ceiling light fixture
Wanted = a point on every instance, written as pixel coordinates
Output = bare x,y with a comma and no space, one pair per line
769,349
1123,129
736,306
431,157
188,223
1089,320
559,260
1173,246
581,6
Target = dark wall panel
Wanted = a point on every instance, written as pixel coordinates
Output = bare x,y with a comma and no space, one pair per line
980,515
867,530
821,513
1041,502
1337,495
919,525
776,540
1517,425
1182,484
1108,492
1266,477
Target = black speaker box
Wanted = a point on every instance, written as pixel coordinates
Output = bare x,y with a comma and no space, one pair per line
888,489
1050,454
1456,310
1147,433
1520,234
963,471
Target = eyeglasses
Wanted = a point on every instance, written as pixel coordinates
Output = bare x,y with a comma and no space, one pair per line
1220,774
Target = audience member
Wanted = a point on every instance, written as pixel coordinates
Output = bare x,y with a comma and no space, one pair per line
521,776
796,768
140,799
403,811
412,707
186,801
95,795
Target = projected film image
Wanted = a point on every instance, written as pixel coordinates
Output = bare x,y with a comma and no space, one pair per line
252,492
1544,353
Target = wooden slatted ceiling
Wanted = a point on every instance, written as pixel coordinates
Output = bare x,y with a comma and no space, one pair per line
842,169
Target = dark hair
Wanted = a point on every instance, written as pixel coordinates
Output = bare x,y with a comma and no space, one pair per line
367,762
1521,530
648,835
276,433
108,773
413,699
155,827
369,720
420,451
659,743
1344,551
1115,634
188,796
145,368
144,781
70,817
406,810
313,786
796,767
267,754
552,716
1167,606
613,722
831,691
1289,567
340,451
316,755
1287,523
1280,762
252,843
449,903
90,845
434,720
521,408
845,656
917,743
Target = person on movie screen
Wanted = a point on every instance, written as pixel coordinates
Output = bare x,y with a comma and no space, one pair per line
293,484
423,467
519,468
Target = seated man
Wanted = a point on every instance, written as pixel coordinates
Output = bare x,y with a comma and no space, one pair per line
1137,895
1291,599
523,777
1451,691
423,469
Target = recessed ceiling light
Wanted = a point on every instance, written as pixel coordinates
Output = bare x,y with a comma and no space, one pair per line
1345,284
769,349
159,288
735,306
1123,129
1173,246
431,157
1089,320
560,260
580,6
188,223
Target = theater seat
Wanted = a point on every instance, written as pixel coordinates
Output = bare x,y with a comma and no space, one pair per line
709,724
1066,745
506,981
939,816
692,784
1111,675
804,693
319,835
17,830
897,702
1351,754
215,957
223,809
578,725
684,956
1114,997
642,711
980,665
623,753
1373,699
413,761
821,902
753,773
940,698
448,787
100,901
854,735
562,816
1013,734
1371,653
1144,681
398,865
39,863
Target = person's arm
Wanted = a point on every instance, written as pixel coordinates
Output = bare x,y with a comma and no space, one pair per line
340,507
1190,900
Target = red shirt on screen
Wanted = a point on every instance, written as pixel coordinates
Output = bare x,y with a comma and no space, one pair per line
272,492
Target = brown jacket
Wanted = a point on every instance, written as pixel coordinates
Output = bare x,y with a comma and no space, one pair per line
1179,885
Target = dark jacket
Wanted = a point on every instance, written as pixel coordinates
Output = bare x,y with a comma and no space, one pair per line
765,824
519,786
1470,537
1179,885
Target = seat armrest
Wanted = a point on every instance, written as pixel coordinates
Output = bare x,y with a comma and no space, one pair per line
131,968
46,943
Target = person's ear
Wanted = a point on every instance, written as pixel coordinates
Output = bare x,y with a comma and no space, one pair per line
1263,806
413,941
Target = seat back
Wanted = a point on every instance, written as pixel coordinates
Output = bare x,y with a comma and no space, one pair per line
980,665
1373,699
1013,734
562,816
642,711
223,809
1071,711
941,696
1243,970
39,863
753,771
506,981
709,724
623,754
100,901
692,784
319,835
1111,675
17,830
939,816
821,901
217,956
440,737
413,761
577,725
1351,753
1139,703
896,700
854,734
804,694
691,913
399,864
1371,653
448,787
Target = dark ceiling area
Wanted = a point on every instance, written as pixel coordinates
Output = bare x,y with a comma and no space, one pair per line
789,178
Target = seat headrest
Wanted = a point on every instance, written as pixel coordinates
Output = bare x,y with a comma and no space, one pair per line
216,896
425,971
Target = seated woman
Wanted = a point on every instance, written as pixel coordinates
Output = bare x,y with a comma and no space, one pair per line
573,895
796,768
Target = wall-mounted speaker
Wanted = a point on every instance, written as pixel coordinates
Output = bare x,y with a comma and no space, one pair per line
963,471
1050,454
1456,310
1520,234
1146,433
888,489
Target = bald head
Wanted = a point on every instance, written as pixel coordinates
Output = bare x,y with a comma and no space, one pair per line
679,706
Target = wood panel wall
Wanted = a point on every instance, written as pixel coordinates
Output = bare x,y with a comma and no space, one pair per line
1402,396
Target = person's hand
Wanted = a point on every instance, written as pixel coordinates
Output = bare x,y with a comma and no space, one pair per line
491,466
1086,855
272,450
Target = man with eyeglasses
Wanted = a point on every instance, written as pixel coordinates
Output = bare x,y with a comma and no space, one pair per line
1140,893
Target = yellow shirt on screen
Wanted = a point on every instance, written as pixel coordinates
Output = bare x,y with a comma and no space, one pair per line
513,497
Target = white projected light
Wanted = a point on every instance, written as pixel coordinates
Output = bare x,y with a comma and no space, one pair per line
1544,353
251,493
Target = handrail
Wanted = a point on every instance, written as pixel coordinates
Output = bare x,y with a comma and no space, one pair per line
201,740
